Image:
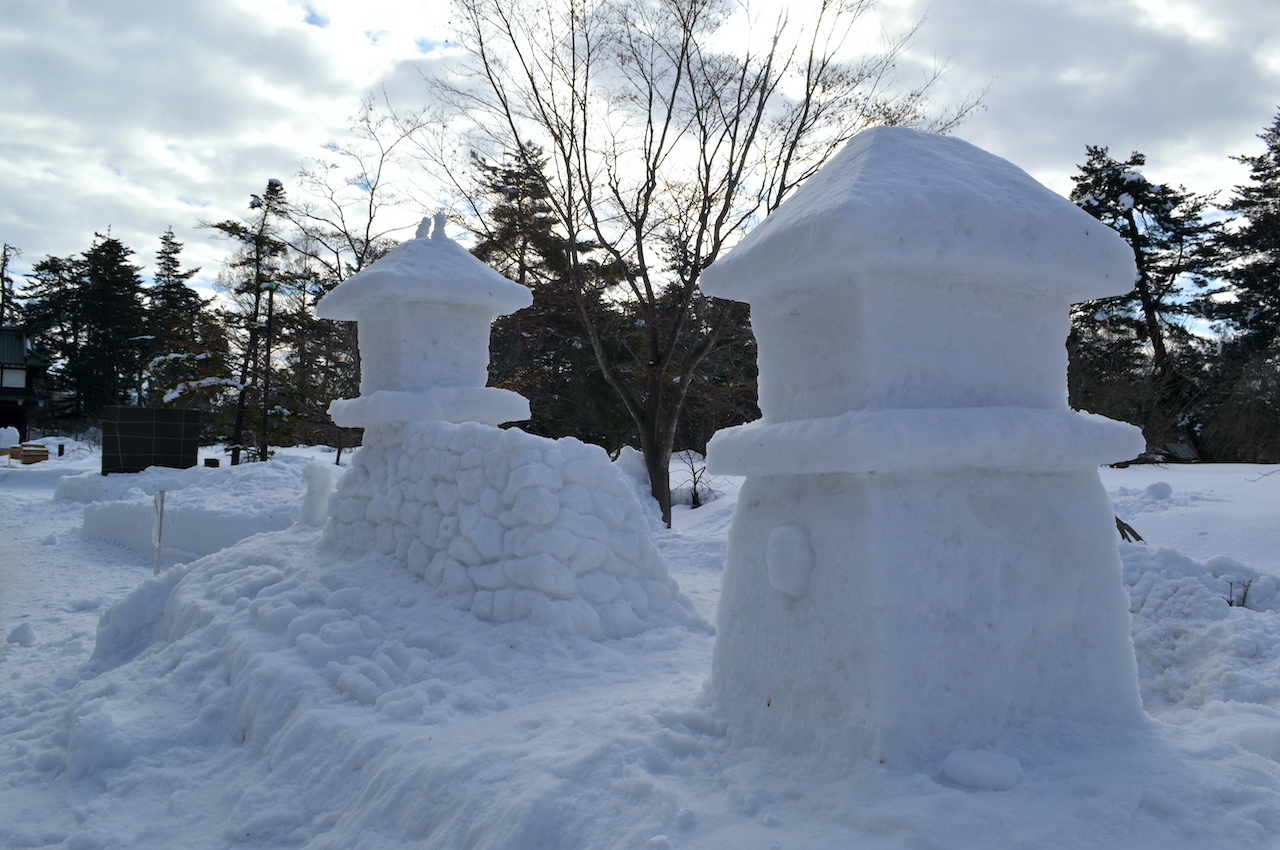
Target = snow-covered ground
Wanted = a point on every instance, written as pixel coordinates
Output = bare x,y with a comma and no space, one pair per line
276,693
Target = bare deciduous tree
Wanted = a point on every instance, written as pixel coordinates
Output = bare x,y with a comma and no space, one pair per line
344,218
670,127
344,196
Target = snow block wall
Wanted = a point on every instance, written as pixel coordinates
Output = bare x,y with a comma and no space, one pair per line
508,526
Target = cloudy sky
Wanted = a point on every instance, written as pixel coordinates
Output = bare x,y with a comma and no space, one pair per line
137,115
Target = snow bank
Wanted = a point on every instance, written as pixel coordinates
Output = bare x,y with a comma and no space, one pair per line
283,693
1207,639
344,704
1203,631
508,526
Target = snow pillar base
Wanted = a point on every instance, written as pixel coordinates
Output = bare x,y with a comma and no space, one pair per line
952,605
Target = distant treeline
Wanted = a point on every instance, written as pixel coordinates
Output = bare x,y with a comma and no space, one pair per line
1192,355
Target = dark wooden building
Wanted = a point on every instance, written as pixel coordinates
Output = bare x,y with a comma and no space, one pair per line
22,371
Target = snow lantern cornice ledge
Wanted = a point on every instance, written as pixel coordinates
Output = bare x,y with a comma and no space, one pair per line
910,303
424,313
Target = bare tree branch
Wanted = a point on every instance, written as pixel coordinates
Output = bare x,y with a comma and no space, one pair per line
665,143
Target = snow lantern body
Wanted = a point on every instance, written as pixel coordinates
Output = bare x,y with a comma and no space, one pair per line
922,554
424,312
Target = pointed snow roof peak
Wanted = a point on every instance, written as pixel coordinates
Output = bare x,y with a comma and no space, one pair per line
896,201
431,267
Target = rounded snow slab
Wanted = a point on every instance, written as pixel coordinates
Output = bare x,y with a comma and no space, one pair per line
487,405
433,269
896,199
881,441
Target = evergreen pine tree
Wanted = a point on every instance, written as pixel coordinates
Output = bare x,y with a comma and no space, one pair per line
188,366
8,299
109,368
1130,357
1254,247
540,351
1246,425
253,275
54,322
318,361
88,312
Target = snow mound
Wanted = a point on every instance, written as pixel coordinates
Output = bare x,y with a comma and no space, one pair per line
23,635
509,527
1203,632
380,699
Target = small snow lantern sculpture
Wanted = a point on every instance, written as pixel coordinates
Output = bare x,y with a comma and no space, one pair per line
424,312
922,553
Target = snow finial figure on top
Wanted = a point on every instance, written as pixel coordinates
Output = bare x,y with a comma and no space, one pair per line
432,228
424,312
922,553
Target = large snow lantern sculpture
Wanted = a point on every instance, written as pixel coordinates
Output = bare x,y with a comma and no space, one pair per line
424,312
922,553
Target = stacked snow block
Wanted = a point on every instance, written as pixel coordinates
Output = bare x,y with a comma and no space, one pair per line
507,525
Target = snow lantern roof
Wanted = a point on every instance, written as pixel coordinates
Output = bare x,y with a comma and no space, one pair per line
430,269
896,201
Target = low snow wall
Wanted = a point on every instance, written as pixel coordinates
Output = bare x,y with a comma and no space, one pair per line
206,510
190,530
508,526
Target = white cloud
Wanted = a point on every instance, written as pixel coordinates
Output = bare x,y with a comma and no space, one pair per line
136,116
1187,82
